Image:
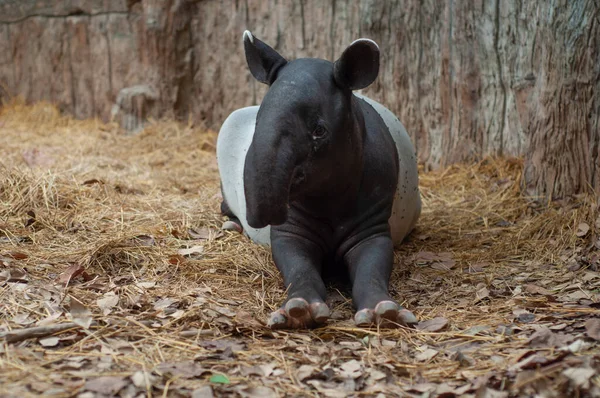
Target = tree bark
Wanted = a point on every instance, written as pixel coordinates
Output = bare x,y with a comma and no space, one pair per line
467,78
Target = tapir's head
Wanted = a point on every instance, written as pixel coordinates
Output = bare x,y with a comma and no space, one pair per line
306,131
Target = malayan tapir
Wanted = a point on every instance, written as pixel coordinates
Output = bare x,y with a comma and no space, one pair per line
326,177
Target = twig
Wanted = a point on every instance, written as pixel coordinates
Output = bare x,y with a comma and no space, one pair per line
38,331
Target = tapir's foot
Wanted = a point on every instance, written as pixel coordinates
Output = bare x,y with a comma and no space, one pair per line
297,313
232,225
386,313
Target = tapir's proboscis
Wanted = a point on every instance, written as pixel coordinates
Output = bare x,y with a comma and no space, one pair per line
326,177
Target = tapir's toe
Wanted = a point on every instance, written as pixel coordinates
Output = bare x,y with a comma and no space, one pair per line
232,226
297,313
386,313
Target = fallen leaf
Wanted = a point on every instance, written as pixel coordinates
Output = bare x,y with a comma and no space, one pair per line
106,385
304,372
576,346
582,230
351,369
176,259
482,294
22,319
421,387
140,379
445,265
525,318
185,369
144,240
70,273
486,392
16,255
93,181
50,341
580,376
433,325
219,379
592,328
534,289
203,392
191,251
257,392
477,267
544,338
146,285
107,302
164,303
475,330
426,355
80,314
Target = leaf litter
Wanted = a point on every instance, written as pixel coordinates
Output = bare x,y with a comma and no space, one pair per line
97,297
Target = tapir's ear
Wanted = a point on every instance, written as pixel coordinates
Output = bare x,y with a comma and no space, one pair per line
358,66
263,61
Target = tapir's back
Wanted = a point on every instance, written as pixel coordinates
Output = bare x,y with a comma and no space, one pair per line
233,142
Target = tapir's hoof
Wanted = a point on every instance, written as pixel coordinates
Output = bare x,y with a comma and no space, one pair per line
299,314
232,226
386,313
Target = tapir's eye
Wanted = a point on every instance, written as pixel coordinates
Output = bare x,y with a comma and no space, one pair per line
319,131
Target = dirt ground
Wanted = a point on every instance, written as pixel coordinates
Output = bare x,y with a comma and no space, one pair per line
116,280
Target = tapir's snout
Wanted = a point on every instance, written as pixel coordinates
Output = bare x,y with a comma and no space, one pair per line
268,171
261,217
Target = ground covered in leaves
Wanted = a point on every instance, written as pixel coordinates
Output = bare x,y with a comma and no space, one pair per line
116,280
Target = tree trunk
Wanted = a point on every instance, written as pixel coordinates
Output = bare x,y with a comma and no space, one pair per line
467,78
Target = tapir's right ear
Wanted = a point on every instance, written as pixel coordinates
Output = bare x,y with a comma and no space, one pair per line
263,61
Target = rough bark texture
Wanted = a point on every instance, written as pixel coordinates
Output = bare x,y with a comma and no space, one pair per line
467,78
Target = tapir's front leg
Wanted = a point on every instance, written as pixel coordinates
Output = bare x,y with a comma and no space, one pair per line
370,265
300,261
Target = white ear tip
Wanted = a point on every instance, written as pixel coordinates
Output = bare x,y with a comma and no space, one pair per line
248,36
368,41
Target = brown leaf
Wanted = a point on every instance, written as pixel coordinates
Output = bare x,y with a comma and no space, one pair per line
477,267
534,289
176,259
582,230
80,314
433,325
141,378
544,337
203,392
592,328
486,392
185,369
351,369
425,257
107,302
257,392
16,255
445,265
482,294
49,341
305,371
580,376
144,240
93,181
106,385
194,250
426,355
70,273
203,233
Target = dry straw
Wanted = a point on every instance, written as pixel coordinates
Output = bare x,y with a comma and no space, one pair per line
129,227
